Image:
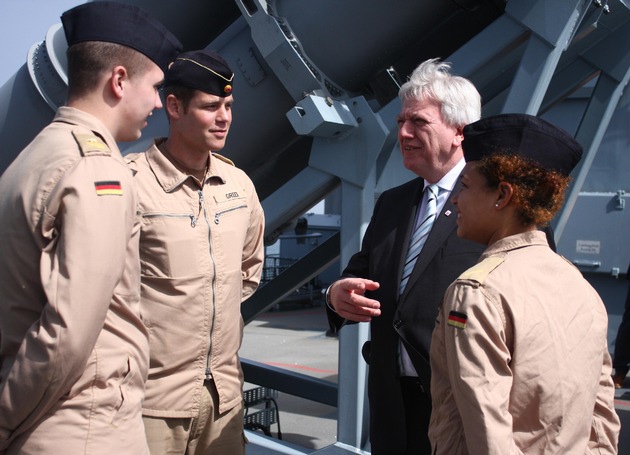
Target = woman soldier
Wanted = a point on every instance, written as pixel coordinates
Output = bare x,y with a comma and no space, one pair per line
519,354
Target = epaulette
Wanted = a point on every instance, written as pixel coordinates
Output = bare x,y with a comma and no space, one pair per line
480,271
224,159
90,144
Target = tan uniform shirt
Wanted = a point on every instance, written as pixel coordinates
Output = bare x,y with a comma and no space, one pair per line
201,254
519,358
73,350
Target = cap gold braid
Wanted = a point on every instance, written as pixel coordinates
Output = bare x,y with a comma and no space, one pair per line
205,67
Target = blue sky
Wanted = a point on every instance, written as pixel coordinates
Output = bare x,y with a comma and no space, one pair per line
23,23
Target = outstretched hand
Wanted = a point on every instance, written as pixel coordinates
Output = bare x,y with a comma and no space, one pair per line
348,300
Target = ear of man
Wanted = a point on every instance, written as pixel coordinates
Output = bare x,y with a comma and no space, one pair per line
118,80
459,137
173,106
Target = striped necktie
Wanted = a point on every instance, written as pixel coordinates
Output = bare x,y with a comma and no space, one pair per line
420,233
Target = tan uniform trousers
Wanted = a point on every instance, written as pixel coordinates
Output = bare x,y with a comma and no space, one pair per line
208,433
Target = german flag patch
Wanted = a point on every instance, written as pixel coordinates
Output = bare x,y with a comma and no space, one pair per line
108,188
457,319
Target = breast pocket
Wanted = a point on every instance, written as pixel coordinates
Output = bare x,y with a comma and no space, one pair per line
172,238
230,224
231,203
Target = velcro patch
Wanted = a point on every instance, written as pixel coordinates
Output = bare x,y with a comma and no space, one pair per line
457,319
108,188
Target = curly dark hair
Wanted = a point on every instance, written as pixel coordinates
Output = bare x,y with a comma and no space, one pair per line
538,192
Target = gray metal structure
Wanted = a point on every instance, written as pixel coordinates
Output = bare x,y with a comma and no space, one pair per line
315,119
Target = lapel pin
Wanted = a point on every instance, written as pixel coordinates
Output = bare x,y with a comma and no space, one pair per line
447,213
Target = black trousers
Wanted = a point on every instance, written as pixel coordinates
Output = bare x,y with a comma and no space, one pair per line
417,416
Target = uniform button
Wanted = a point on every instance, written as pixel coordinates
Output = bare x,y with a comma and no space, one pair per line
398,324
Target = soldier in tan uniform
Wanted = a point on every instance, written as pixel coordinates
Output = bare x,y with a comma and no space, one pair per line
519,354
201,252
73,349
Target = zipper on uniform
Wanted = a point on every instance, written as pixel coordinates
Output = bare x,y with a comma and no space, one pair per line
200,202
202,208
218,214
193,218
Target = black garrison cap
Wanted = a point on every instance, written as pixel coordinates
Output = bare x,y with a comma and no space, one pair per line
524,135
201,70
123,24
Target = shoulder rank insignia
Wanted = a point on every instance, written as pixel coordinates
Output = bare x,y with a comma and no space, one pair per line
90,144
108,188
457,319
481,270
222,158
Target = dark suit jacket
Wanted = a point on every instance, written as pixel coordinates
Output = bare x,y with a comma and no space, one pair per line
410,316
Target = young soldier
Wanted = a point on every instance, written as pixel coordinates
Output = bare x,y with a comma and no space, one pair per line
73,350
201,251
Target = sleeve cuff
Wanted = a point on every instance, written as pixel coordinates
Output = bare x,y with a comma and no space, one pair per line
327,297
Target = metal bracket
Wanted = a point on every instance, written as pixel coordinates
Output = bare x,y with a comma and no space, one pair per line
587,263
620,202
321,116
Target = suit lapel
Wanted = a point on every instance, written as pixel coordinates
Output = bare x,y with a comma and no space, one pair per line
402,240
442,228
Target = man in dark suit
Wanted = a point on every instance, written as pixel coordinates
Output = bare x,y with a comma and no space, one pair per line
435,108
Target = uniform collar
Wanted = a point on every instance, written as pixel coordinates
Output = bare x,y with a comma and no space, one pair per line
216,169
167,174
516,241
